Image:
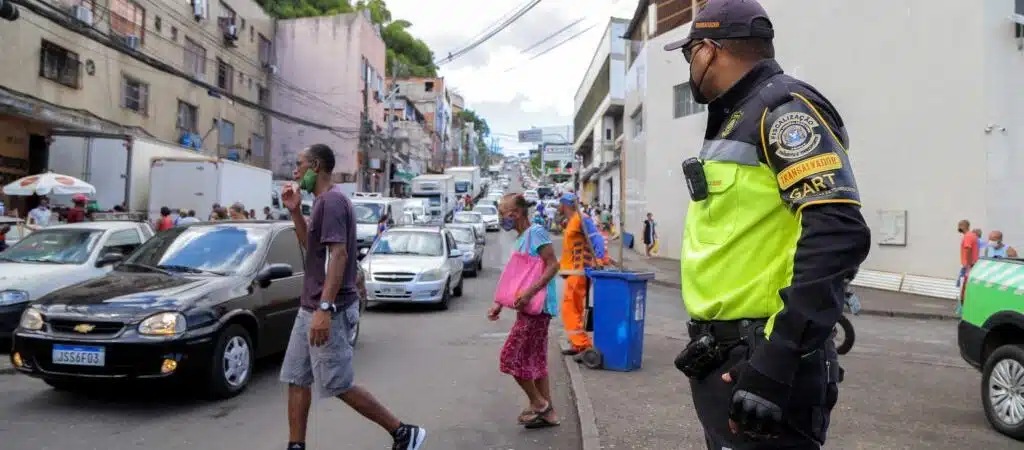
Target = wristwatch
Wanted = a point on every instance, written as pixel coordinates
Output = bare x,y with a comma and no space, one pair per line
328,306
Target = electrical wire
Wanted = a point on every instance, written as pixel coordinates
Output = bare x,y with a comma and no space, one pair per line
559,44
487,36
552,35
493,25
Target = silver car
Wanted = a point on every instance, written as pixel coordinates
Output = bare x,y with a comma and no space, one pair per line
490,216
413,264
472,218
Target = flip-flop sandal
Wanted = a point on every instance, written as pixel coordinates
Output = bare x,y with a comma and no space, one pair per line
525,415
538,421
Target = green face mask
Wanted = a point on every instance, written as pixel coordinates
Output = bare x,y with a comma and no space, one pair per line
308,182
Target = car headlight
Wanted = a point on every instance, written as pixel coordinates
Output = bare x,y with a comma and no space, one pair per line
432,275
31,319
163,324
11,297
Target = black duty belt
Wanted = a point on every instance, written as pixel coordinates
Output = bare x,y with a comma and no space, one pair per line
725,331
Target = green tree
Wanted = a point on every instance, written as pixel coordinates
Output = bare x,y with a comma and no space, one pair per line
479,123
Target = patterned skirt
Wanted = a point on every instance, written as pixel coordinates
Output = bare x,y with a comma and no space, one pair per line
525,354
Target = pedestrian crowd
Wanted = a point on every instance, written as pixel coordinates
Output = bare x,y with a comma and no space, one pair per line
974,245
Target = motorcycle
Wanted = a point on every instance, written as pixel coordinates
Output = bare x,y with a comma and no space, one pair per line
843,334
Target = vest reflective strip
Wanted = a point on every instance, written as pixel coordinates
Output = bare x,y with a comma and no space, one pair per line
731,151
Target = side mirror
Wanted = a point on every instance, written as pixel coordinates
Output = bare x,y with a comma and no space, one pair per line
455,253
273,272
362,253
109,258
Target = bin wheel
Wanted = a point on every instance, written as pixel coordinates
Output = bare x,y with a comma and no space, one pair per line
591,358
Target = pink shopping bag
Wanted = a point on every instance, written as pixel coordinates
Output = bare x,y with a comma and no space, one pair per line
520,273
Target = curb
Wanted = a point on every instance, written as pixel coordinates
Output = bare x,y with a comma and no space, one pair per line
589,436
866,312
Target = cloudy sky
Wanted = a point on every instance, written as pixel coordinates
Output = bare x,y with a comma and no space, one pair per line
497,79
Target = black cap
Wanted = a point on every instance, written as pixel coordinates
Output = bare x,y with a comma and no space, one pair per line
728,19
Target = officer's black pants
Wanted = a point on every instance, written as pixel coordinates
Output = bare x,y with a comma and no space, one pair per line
814,395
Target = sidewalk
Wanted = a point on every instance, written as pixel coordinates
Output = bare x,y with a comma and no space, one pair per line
874,302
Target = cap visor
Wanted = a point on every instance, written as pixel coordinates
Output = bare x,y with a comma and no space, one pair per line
677,44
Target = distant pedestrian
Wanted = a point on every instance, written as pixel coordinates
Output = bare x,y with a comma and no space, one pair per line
190,218
968,257
77,212
39,217
524,355
650,234
267,215
252,214
981,239
237,212
164,222
319,352
382,226
214,212
995,248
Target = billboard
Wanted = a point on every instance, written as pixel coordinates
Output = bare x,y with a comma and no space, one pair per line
531,135
558,153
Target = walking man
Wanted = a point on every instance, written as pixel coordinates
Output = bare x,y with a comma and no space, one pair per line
773,229
319,352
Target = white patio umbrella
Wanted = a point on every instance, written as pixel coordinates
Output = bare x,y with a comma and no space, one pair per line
48,183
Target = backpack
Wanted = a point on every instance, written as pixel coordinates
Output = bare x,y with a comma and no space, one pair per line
594,236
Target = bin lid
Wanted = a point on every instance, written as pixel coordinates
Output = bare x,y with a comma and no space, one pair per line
622,275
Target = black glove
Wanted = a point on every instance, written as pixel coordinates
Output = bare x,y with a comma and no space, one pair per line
757,403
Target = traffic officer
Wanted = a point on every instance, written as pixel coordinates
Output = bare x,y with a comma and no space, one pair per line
773,227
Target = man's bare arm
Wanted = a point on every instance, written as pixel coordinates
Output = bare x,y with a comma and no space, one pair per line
335,271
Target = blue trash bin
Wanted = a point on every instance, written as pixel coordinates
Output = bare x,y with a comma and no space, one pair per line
620,299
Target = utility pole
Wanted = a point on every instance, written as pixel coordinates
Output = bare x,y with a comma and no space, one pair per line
364,125
391,135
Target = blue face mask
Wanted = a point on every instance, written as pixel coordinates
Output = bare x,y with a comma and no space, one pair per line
508,223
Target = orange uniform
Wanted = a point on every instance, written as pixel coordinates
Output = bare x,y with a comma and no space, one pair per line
576,257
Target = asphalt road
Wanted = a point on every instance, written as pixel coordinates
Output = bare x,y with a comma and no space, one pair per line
906,387
438,369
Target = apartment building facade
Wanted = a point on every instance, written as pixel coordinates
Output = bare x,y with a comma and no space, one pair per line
333,90
598,118
432,99
925,154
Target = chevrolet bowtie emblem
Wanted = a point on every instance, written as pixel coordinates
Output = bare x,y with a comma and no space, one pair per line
84,328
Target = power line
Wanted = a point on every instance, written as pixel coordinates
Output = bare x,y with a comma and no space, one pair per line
503,17
452,56
559,44
552,35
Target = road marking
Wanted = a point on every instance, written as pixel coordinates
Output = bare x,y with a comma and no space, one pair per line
929,305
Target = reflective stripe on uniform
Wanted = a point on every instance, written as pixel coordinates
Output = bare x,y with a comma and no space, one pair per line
731,151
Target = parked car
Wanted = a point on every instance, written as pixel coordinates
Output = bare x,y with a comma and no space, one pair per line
991,339
472,218
490,215
416,264
200,302
471,243
59,256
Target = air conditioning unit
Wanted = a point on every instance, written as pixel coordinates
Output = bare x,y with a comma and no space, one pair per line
82,14
131,41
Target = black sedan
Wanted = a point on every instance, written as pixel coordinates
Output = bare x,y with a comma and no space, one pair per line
200,302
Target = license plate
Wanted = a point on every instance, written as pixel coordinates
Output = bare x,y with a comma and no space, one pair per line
79,355
392,291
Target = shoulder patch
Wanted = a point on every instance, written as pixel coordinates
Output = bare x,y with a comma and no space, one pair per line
794,135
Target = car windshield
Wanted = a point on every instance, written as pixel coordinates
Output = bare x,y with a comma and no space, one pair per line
220,249
468,218
54,246
486,210
463,235
418,243
367,212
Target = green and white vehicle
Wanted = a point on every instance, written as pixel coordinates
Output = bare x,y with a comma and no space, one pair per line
991,338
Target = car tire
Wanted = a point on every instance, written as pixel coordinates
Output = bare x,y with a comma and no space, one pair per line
458,287
445,297
999,369
66,385
234,342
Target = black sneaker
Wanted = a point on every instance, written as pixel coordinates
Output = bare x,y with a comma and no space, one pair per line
409,437
296,446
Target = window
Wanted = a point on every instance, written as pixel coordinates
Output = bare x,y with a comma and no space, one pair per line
188,118
195,58
227,13
428,86
365,69
637,120
257,145
266,51
262,95
684,103
241,79
123,242
174,34
284,249
250,83
225,75
134,94
608,134
157,23
87,4
252,34
127,18
226,134
59,64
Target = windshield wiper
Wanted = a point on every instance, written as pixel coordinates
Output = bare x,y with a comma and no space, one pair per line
39,260
187,269
144,266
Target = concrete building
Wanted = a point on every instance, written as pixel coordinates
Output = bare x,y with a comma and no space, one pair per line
431,97
598,118
56,78
929,146
329,69
413,134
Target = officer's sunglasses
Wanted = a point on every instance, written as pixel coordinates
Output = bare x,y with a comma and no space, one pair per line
688,50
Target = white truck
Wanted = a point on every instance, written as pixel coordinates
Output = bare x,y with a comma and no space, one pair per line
439,190
467,180
198,184
117,165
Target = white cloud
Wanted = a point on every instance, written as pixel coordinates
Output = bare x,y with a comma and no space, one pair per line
535,92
